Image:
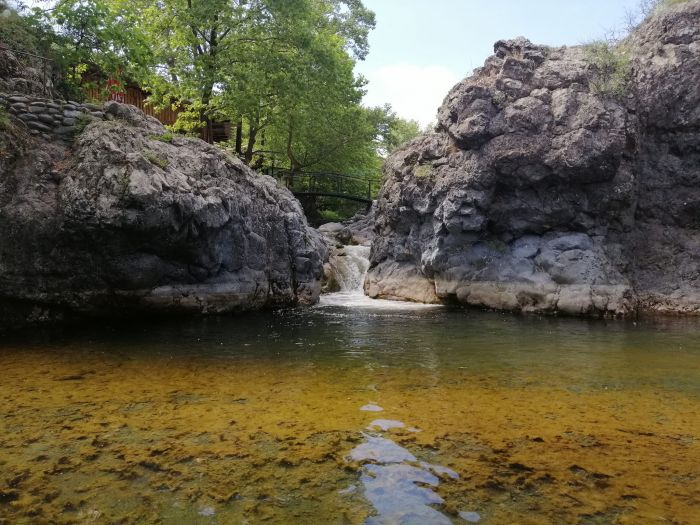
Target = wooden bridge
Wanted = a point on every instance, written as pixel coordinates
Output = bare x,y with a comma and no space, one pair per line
322,184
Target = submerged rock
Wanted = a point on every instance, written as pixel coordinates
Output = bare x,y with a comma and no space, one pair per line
542,191
130,219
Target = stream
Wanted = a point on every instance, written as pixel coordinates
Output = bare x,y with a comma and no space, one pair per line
355,411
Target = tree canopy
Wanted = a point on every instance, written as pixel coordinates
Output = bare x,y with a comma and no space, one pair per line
280,71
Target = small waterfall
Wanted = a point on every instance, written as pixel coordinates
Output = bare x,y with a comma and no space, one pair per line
347,271
350,267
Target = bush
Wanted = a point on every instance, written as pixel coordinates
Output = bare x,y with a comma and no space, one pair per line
81,123
423,171
331,216
21,33
153,158
610,65
166,137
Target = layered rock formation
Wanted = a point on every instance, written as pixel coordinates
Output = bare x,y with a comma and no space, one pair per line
50,118
540,191
130,219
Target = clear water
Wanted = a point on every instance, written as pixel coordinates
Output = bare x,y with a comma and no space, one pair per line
348,414
355,411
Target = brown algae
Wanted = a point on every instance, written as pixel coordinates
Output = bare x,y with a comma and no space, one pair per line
107,430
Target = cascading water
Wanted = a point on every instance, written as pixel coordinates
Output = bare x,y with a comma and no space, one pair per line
349,267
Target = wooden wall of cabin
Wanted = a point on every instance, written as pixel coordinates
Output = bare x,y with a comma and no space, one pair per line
218,131
136,97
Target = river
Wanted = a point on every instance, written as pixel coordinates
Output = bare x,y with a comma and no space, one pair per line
353,412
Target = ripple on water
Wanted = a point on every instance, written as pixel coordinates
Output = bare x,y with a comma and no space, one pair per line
385,424
381,450
394,492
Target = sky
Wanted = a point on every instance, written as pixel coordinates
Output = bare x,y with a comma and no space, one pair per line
421,48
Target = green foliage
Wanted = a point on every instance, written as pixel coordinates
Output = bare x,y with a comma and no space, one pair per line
19,32
395,131
610,66
4,119
281,71
500,99
331,216
155,159
166,137
422,171
101,35
78,37
81,123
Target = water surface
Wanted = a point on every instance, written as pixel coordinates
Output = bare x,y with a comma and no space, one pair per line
474,417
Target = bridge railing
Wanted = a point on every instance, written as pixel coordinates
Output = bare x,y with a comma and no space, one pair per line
323,183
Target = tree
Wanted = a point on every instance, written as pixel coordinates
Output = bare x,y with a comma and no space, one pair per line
237,58
398,131
280,70
83,35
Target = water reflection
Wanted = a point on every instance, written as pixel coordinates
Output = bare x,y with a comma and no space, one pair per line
395,483
385,424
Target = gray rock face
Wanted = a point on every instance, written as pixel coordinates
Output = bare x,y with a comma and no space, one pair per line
538,194
124,223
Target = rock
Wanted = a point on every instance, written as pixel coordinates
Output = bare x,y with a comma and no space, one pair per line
133,116
46,119
67,113
361,227
109,233
39,126
64,130
540,193
358,230
331,228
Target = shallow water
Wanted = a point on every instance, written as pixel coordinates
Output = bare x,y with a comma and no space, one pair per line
468,417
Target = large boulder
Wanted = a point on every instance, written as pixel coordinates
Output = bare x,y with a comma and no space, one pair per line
131,219
542,191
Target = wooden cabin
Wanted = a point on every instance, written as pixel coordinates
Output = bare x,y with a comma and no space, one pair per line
134,95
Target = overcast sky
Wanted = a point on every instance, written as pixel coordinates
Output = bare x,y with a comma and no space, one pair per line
421,48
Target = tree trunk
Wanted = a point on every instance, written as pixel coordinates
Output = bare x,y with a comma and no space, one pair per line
250,148
239,138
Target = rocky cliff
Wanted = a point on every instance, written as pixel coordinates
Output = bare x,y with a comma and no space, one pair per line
130,219
546,189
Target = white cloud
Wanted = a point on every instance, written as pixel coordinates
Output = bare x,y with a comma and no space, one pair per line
415,92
